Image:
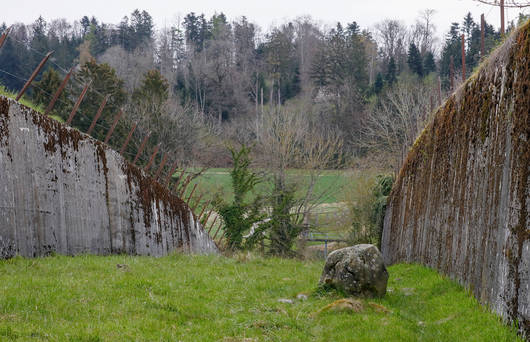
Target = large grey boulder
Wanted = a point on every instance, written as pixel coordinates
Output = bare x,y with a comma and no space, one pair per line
357,270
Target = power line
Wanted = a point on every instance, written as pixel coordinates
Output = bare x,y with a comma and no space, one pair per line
99,125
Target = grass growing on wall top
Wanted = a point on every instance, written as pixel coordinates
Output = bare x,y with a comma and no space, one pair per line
198,298
9,94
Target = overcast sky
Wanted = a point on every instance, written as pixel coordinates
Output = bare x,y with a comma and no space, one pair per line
164,12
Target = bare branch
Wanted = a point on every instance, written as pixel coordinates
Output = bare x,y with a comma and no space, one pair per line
507,3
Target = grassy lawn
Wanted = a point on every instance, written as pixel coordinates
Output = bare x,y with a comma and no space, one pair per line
330,183
199,298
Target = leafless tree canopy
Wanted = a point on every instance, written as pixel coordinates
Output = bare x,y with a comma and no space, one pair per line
507,3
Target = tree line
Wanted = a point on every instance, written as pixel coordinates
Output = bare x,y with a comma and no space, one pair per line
204,80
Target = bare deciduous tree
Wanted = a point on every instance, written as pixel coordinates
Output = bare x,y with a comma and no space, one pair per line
289,140
141,60
423,32
392,38
507,3
401,115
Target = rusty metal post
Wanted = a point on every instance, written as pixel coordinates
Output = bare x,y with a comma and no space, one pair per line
502,18
463,58
203,209
218,229
218,243
452,72
177,183
208,217
191,194
4,36
76,106
150,162
185,186
197,203
211,226
161,167
124,146
33,75
58,92
482,35
180,177
2,39
170,174
109,134
98,114
141,149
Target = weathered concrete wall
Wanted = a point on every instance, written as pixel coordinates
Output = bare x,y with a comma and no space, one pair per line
62,191
461,201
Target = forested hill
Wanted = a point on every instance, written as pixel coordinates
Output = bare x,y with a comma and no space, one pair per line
214,76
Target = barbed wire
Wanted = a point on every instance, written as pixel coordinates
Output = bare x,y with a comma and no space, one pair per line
175,188
78,83
51,60
78,112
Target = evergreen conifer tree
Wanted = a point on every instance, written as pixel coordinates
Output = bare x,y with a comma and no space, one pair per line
391,73
414,60
428,63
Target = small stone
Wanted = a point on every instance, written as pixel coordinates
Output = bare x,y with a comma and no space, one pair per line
445,320
301,296
285,301
407,291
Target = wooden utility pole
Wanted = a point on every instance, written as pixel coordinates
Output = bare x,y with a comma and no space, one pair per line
463,58
502,17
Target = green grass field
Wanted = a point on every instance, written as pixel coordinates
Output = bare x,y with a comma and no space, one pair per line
199,298
330,184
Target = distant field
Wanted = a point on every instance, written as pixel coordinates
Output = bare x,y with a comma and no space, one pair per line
198,298
331,183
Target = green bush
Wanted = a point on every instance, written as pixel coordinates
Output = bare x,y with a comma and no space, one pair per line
367,206
240,214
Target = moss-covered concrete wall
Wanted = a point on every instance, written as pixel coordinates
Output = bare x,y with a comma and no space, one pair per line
461,201
62,191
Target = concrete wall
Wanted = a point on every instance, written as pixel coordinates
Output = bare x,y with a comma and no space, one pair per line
62,191
461,201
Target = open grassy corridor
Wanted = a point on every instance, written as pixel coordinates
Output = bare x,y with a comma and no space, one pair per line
207,298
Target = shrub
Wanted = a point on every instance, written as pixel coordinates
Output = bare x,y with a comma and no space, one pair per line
241,214
367,205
